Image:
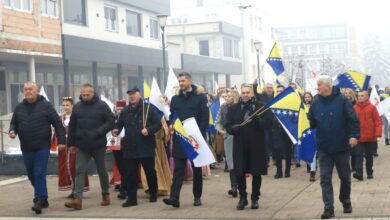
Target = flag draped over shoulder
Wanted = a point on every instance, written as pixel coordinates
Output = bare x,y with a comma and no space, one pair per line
275,60
353,79
193,142
289,110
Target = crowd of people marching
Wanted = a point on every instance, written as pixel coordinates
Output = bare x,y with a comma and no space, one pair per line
151,155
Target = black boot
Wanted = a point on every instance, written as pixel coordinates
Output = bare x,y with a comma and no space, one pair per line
387,142
153,197
122,193
347,206
129,203
255,202
233,192
242,203
358,176
38,205
328,213
287,172
279,173
173,202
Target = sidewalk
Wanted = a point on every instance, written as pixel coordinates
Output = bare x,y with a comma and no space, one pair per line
292,198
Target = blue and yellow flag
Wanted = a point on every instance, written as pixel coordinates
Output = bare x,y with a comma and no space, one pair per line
184,139
289,109
286,106
354,80
275,60
307,145
145,91
214,114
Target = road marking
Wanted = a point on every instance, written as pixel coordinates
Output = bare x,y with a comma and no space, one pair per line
13,180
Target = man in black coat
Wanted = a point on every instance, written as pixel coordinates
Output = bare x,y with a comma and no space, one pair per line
31,121
90,121
249,151
140,121
190,102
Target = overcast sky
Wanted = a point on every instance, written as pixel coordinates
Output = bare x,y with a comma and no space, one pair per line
368,14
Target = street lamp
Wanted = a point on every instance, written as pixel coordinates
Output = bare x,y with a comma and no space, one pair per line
258,46
162,20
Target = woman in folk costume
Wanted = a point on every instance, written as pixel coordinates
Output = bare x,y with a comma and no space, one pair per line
231,98
164,177
67,160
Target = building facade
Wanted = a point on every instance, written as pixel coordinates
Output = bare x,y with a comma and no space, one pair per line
326,49
210,51
112,44
30,49
255,26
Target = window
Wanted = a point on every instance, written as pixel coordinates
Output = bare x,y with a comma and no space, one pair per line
133,23
227,47
49,7
231,48
24,5
154,29
74,12
236,49
110,17
204,48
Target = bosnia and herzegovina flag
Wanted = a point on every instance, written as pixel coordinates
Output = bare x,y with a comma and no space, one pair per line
353,79
307,145
275,60
184,139
289,110
145,91
213,115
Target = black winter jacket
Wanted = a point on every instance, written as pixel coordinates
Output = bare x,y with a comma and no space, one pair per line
135,144
192,104
32,122
89,123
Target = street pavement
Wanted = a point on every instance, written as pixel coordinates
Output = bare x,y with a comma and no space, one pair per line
286,198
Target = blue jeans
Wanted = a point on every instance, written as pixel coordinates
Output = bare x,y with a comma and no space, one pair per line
36,166
327,162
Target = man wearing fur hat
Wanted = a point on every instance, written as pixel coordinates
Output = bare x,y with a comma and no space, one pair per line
191,101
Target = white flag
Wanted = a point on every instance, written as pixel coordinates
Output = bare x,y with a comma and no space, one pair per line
386,108
172,85
375,100
43,93
216,87
156,99
108,102
205,157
